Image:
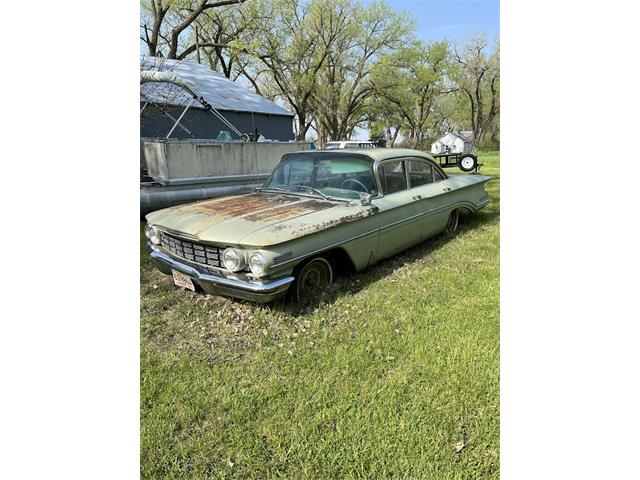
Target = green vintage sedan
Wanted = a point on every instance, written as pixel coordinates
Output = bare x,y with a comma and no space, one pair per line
321,212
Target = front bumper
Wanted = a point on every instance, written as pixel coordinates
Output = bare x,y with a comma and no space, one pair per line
234,285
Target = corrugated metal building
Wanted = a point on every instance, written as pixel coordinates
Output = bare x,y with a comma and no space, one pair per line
243,108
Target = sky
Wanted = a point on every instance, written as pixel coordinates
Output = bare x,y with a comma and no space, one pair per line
446,19
451,19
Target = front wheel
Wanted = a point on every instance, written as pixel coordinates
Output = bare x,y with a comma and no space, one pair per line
315,275
468,163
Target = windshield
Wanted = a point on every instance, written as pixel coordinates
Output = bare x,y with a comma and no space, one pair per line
336,175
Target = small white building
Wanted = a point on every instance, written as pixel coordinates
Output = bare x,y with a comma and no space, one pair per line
454,142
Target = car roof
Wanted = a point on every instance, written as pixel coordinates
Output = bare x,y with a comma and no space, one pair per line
381,153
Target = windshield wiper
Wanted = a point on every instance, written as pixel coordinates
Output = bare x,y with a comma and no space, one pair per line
314,190
274,189
291,192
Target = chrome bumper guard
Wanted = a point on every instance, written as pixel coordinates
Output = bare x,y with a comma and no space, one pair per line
240,286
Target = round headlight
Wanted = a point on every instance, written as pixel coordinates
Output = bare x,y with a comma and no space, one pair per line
258,264
152,234
232,260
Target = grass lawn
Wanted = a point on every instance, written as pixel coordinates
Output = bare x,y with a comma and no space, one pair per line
384,377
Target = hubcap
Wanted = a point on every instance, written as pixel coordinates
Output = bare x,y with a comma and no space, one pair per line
467,162
313,277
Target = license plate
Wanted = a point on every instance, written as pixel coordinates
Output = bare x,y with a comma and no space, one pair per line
181,280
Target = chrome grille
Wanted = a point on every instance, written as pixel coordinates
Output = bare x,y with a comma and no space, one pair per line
194,252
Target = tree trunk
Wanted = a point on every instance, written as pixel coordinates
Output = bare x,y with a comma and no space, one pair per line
301,130
394,137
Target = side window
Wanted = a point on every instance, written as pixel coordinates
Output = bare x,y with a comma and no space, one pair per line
393,177
420,173
437,176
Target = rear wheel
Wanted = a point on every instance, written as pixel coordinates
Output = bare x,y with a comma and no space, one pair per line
452,222
315,275
468,163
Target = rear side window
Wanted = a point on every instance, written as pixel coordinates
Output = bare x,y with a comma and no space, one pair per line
393,177
420,173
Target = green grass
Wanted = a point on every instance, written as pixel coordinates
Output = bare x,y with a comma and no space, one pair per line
380,379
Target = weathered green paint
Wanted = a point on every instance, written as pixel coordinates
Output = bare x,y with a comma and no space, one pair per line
288,228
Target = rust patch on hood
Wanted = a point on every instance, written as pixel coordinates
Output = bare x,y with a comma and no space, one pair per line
240,205
260,218
289,210
261,207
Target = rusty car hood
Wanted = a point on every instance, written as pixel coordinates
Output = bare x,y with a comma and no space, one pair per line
260,218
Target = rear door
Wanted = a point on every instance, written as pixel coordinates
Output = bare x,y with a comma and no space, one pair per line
431,190
398,213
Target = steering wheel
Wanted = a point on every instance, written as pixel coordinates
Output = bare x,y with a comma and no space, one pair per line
364,188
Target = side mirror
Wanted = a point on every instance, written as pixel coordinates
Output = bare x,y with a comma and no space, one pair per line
365,198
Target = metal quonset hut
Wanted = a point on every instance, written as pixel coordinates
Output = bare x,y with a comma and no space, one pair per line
163,103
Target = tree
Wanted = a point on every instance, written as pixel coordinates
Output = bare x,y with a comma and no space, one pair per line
293,50
168,20
477,76
360,35
225,32
337,64
384,119
412,79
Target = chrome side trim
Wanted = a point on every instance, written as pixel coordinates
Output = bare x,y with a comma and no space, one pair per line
408,219
355,237
428,212
262,287
379,229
